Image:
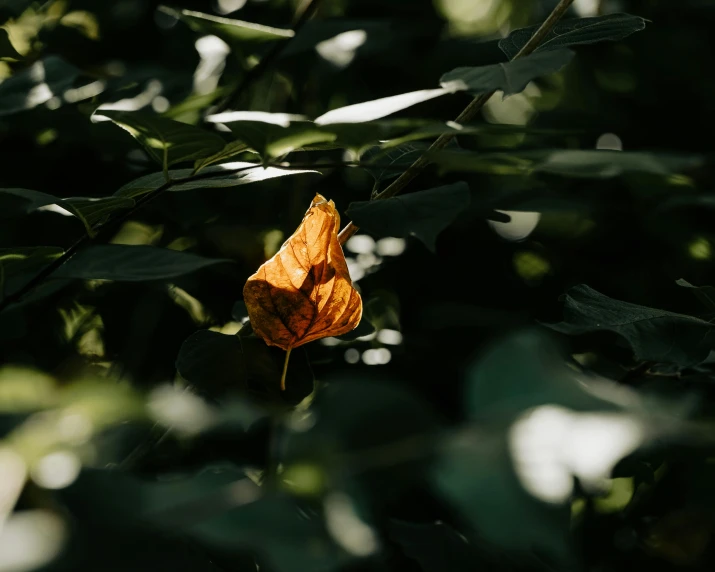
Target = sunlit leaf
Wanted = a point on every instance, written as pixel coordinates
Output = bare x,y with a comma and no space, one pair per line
132,263
226,175
7,50
510,77
43,80
655,335
272,134
304,292
577,31
378,108
89,210
378,34
423,214
167,141
230,30
230,150
84,22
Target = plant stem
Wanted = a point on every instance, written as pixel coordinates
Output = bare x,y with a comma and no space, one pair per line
305,13
467,115
285,370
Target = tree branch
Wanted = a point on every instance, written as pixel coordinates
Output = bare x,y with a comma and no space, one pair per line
467,115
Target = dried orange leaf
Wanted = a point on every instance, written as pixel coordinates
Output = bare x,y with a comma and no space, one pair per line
304,292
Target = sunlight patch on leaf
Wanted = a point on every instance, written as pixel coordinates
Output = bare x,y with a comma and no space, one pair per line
378,108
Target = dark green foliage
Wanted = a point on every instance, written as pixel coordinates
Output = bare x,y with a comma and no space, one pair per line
36,84
510,77
575,32
166,141
530,389
423,214
655,335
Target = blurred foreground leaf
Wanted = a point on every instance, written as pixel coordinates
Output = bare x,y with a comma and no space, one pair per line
43,80
592,164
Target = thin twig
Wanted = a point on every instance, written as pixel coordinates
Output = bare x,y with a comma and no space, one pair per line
467,115
232,99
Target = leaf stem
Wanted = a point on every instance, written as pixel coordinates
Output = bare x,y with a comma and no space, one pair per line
467,115
285,369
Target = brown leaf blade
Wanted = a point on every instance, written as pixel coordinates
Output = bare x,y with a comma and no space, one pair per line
304,292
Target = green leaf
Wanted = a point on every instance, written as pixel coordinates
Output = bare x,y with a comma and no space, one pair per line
218,364
378,108
594,164
706,294
434,129
26,259
167,141
7,50
230,150
233,32
423,214
94,211
132,263
226,175
510,77
272,134
90,211
516,462
475,475
389,163
655,335
149,183
16,202
39,83
383,433
527,370
358,136
605,164
573,32
289,538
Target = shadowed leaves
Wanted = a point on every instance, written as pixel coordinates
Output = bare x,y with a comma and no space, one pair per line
655,335
575,32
